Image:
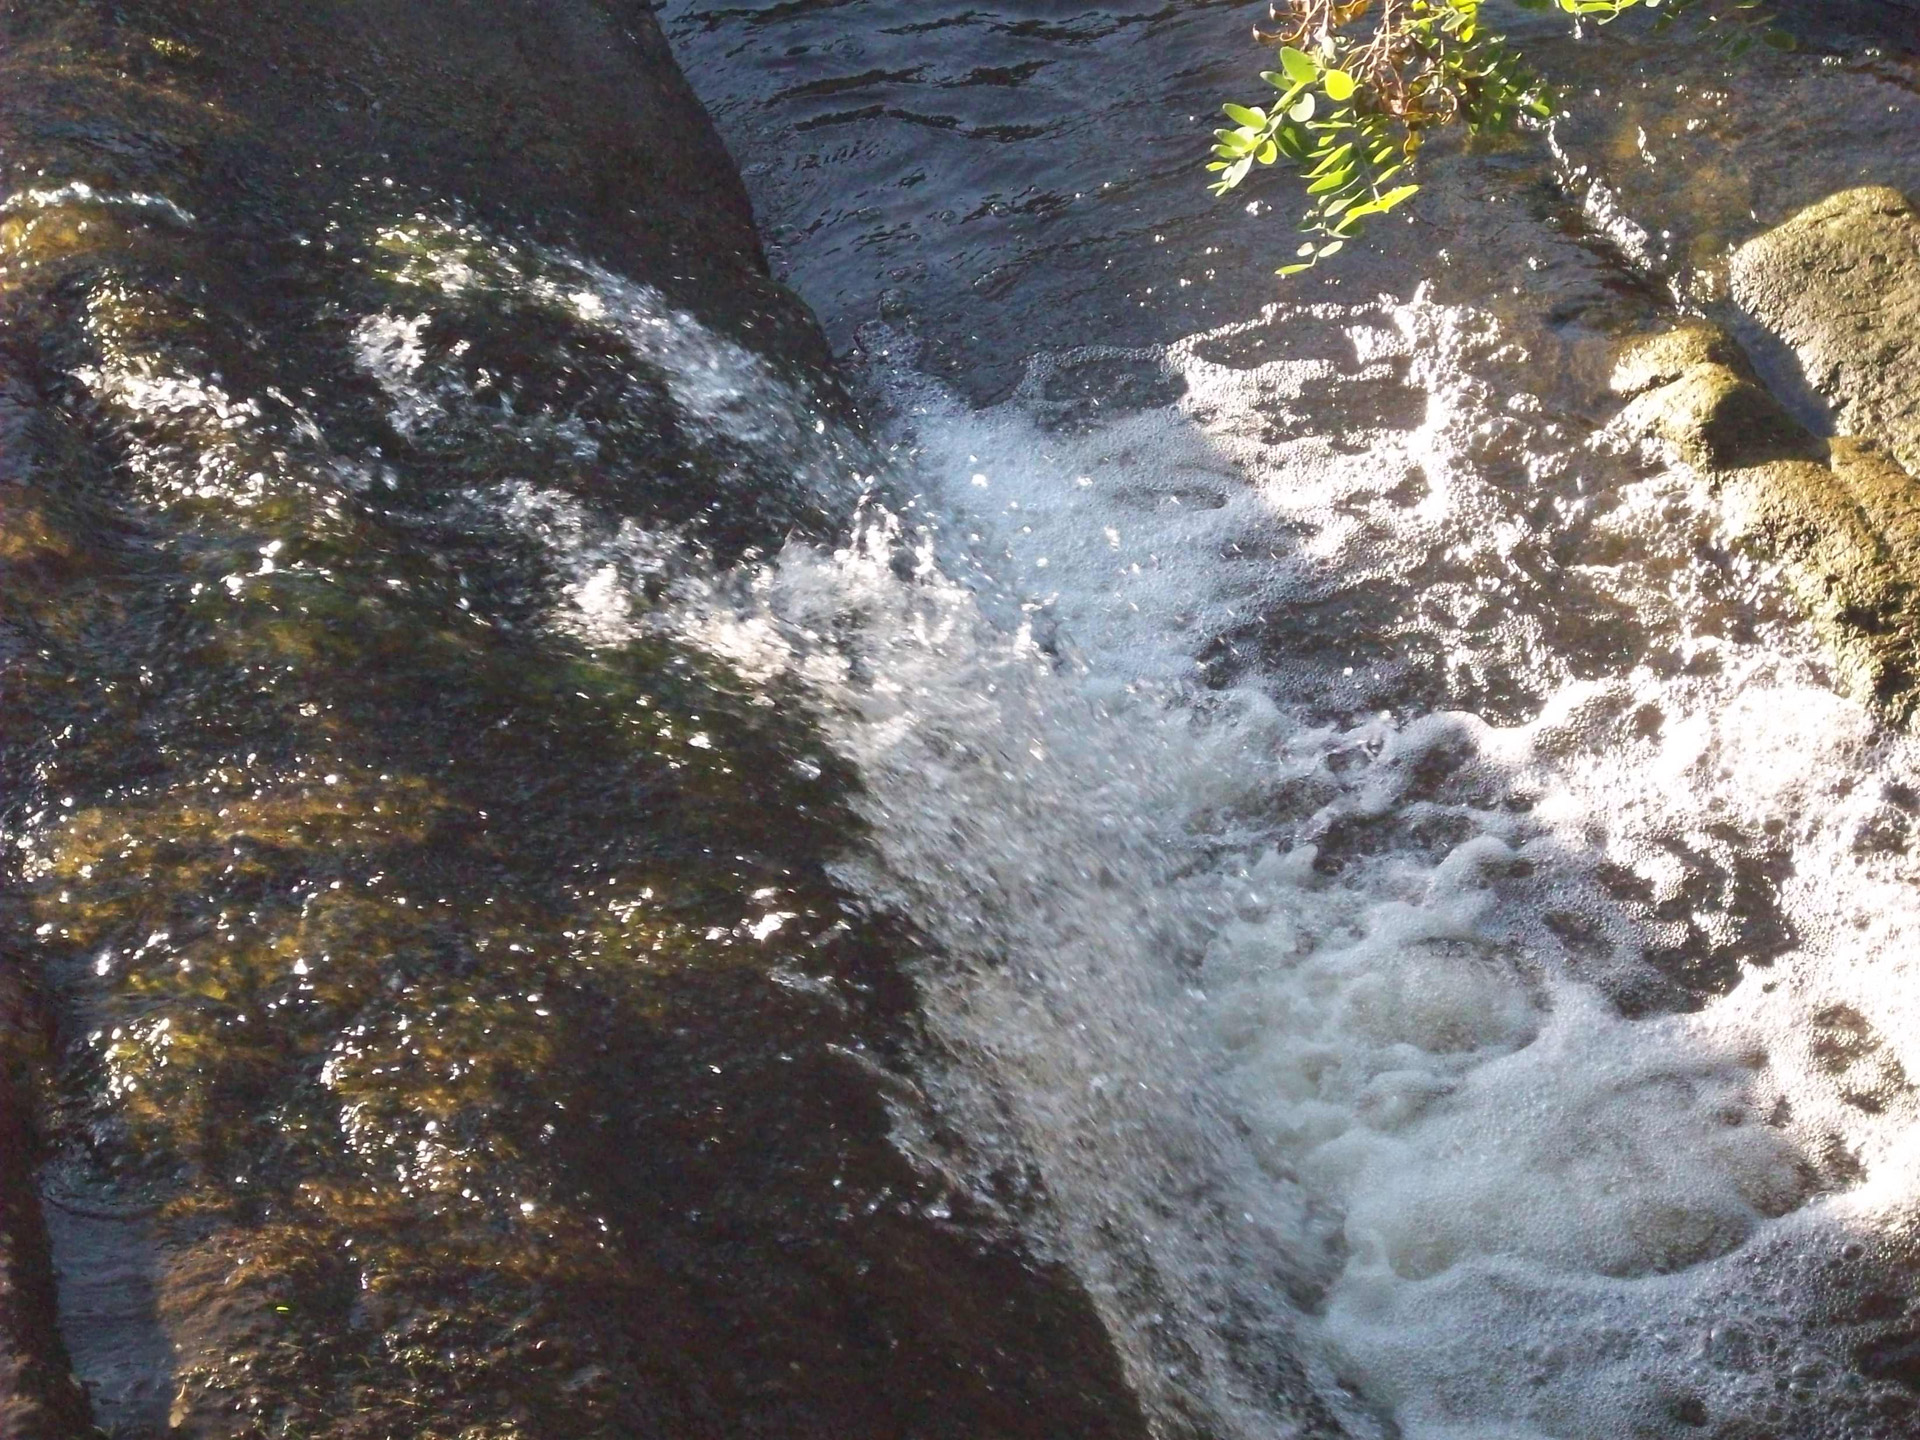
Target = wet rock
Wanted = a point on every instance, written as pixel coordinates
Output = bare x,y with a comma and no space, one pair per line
424,1041
1842,516
1651,361
1718,417
1848,532
1839,284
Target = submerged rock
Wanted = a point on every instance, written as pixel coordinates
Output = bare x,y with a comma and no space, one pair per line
461,1030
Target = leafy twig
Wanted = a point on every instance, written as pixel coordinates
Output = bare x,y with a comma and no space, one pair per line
1360,82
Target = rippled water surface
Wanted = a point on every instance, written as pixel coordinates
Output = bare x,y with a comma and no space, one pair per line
451,1027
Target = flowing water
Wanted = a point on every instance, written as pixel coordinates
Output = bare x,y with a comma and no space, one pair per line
1406,885
1395,910
449,1026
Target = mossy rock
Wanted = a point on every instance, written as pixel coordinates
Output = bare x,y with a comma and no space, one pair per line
1856,575
1648,362
1718,417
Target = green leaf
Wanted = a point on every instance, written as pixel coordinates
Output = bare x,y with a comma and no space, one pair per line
1332,158
1293,269
1301,68
1348,136
1380,204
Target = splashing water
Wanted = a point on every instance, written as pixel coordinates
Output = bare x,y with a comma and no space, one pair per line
1389,1070
1404,893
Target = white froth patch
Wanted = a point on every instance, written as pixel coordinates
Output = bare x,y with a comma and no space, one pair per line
1388,1083
79,193
722,392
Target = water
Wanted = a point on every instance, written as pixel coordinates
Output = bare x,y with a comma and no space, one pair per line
1408,886
1243,847
448,1024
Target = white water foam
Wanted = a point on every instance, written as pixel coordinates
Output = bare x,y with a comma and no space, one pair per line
1304,1017
1394,1093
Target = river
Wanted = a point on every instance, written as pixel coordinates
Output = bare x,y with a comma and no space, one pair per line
1142,850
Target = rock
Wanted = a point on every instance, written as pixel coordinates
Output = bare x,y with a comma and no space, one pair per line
1847,533
1839,285
1842,517
1718,416
1649,361
404,973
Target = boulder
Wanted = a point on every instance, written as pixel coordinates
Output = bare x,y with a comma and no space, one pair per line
1841,516
1648,362
1849,535
1839,286
1719,416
